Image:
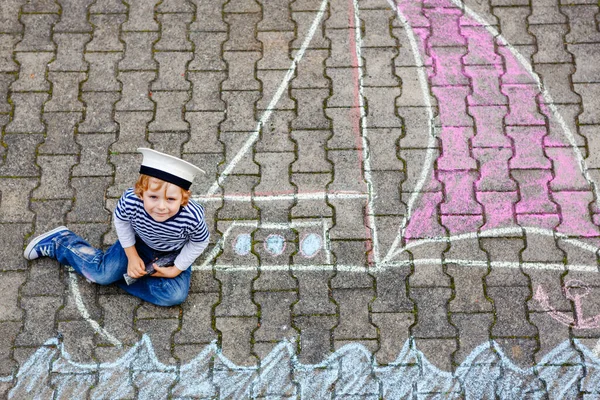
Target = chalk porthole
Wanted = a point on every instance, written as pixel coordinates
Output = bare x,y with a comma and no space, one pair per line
275,244
242,244
311,245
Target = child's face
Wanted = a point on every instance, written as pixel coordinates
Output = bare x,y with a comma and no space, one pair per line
162,201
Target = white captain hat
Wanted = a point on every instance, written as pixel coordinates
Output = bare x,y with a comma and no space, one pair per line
168,168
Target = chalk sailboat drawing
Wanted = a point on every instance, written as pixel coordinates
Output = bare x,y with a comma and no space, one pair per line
493,84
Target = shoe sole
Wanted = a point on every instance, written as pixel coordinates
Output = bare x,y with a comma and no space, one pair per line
36,240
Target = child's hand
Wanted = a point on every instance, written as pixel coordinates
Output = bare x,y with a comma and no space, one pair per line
136,267
166,272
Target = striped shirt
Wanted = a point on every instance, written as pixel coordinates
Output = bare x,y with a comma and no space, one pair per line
185,231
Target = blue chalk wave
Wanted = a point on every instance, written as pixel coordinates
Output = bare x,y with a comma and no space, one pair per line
352,372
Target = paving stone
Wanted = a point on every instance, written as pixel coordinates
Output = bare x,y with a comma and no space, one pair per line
60,130
276,319
12,206
89,203
240,111
511,316
589,95
49,213
135,94
240,75
20,155
167,142
73,16
138,51
532,200
132,131
7,42
78,339
439,352
546,12
11,283
585,29
393,332
474,330
208,16
550,41
108,7
341,54
64,94
9,21
99,110
242,28
512,23
453,105
171,73
276,16
205,93
116,313
432,321
207,51
379,64
101,74
344,94
236,300
37,32
197,319
310,116
173,30
311,156
32,75
54,182
106,33
27,105
12,251
140,17
169,111
354,315
315,337
9,330
304,21
469,289
69,52
94,151
160,332
204,132
40,323
236,333
126,167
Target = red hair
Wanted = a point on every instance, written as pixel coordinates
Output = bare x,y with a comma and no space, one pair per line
146,182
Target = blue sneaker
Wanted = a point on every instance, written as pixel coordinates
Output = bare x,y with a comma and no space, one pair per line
43,245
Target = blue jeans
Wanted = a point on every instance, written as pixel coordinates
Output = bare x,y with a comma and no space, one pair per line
108,267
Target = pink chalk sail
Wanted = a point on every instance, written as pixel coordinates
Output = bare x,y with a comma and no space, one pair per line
491,178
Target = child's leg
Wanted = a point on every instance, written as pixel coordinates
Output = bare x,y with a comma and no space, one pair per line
97,266
160,291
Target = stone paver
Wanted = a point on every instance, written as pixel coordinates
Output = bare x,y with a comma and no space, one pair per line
402,199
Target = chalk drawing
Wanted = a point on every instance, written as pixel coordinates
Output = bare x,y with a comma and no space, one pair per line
275,244
243,244
575,291
350,372
353,371
311,245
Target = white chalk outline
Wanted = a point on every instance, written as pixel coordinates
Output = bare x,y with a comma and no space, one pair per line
366,157
267,114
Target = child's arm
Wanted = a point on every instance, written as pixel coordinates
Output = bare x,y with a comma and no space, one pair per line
184,260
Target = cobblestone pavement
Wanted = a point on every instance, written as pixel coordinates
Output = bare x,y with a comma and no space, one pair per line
402,197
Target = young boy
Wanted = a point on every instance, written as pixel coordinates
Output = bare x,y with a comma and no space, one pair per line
153,219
